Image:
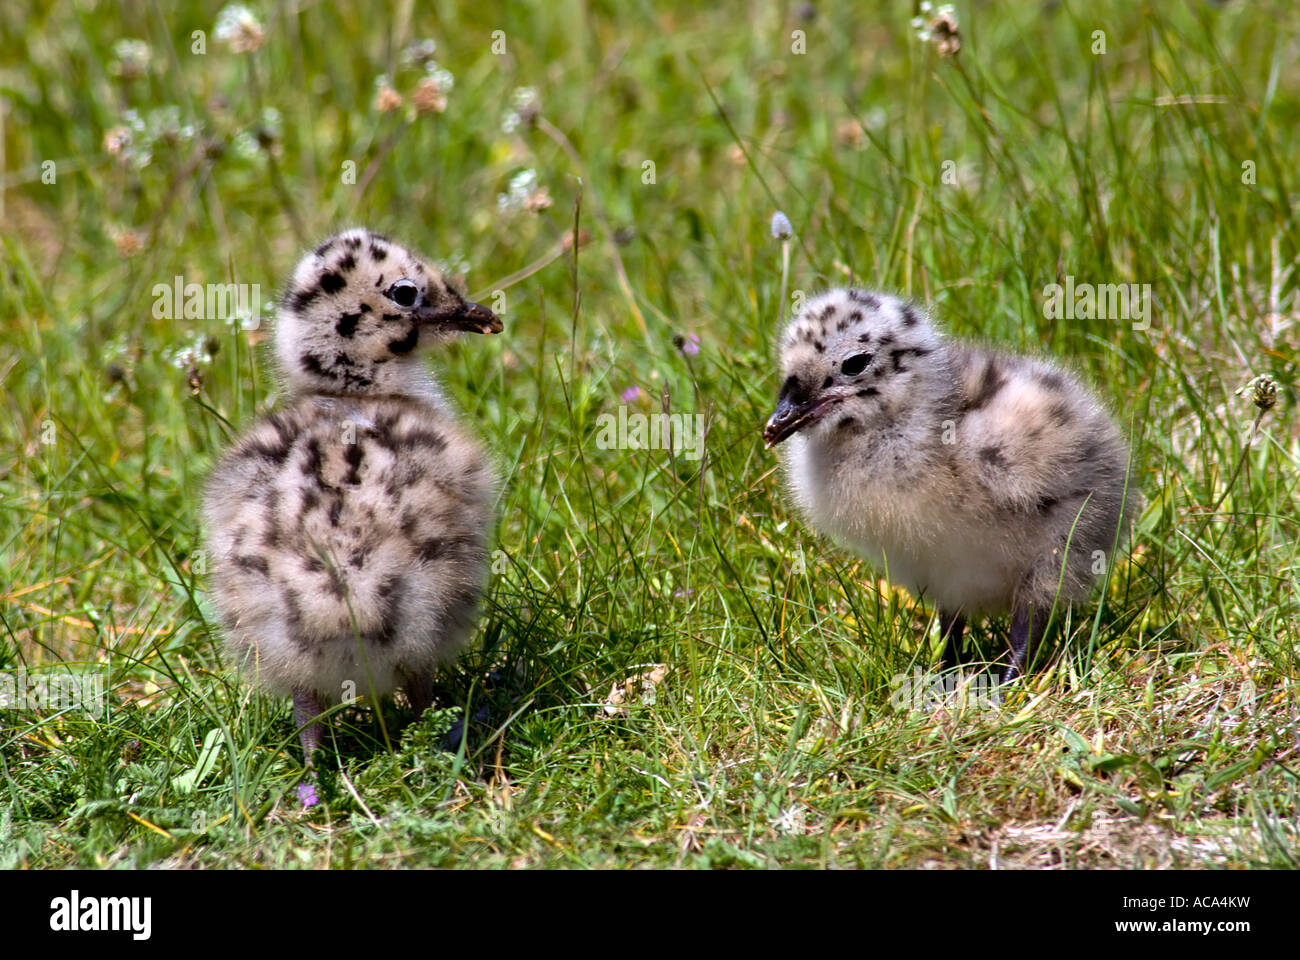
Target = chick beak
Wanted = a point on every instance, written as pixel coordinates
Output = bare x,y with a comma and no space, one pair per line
792,414
469,316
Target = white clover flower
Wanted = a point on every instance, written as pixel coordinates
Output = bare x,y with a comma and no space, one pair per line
386,98
791,820
117,141
441,75
246,318
131,141
525,192
523,181
938,26
524,109
521,184
185,356
201,348
430,94
239,27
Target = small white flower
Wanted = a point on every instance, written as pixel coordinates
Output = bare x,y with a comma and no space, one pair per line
386,98
523,109
781,229
247,318
431,93
791,820
199,350
524,191
132,140
938,27
239,27
441,76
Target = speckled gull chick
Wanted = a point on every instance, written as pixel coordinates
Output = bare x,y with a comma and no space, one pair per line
986,482
348,530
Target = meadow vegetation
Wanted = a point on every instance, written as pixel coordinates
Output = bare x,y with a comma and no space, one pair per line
670,670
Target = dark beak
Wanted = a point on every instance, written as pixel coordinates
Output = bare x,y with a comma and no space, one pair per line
471,317
792,414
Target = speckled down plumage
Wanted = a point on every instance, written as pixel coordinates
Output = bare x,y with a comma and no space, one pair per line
350,544
348,530
981,480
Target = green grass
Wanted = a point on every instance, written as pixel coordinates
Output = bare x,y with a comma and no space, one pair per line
1164,731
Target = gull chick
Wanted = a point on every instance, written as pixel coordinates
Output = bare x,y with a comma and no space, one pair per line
348,530
983,481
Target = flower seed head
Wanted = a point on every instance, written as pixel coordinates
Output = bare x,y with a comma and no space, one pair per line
239,27
1263,390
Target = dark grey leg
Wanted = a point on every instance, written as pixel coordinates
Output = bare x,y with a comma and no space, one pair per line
420,692
1028,624
307,705
951,628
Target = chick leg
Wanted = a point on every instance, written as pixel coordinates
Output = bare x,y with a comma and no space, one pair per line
420,692
307,705
951,628
1028,624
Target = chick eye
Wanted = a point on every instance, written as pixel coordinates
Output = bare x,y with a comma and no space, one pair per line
855,364
403,293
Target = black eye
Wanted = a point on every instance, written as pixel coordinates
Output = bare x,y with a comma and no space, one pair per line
855,364
403,293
